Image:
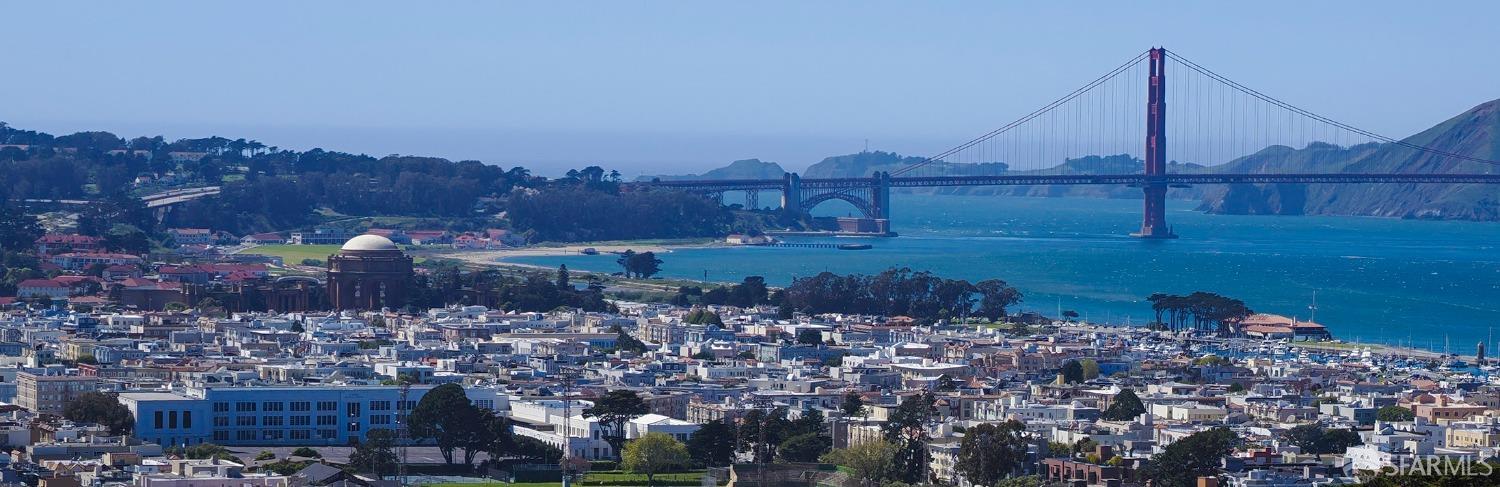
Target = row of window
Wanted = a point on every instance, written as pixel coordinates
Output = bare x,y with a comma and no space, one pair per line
171,419
250,435
324,420
352,408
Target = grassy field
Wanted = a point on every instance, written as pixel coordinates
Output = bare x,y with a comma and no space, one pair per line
498,484
294,254
600,479
605,478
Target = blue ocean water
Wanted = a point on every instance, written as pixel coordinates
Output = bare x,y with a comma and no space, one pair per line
1428,284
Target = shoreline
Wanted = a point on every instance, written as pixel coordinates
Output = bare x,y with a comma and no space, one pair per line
501,256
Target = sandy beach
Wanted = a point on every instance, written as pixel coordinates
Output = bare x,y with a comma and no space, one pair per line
492,257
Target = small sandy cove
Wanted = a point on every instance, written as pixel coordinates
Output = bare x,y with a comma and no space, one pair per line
492,257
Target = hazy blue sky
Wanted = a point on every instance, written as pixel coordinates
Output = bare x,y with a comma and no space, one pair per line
676,86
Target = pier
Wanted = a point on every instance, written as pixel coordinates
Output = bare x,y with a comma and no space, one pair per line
820,246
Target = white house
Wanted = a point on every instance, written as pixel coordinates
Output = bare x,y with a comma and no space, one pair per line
656,423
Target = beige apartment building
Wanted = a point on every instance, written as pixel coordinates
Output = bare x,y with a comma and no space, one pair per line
48,394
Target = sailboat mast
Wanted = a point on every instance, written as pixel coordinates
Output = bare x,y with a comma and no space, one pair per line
1314,307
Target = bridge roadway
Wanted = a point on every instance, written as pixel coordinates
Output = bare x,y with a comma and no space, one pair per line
1036,180
176,196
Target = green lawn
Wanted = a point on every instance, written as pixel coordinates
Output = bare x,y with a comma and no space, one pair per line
294,254
603,478
597,479
498,484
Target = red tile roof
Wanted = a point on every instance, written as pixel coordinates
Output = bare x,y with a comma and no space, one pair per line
59,238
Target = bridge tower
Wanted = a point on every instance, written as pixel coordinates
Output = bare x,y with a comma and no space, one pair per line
1154,219
880,196
791,192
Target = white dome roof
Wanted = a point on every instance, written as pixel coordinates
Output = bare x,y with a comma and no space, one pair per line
369,242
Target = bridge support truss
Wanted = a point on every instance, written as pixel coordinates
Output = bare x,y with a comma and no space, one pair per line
871,196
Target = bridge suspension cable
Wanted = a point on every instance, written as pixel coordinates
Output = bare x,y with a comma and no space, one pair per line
1044,110
1320,118
1213,124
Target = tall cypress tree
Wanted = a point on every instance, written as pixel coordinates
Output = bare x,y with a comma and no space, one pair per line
1125,407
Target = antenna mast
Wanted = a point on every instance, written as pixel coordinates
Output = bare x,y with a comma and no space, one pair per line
403,433
568,375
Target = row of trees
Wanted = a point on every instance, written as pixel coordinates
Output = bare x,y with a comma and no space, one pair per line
446,418
642,265
1199,311
763,435
900,292
100,408
991,453
1319,440
18,232
1181,463
988,453
447,283
280,189
578,212
752,291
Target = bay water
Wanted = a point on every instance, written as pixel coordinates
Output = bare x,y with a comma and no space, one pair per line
1428,284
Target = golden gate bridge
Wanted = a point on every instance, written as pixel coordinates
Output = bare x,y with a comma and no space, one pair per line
1115,131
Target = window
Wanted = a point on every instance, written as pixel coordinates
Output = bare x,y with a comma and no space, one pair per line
269,406
244,406
221,407
187,419
273,421
328,405
301,406
301,420
380,405
380,419
301,434
172,420
221,421
328,434
157,417
328,420
245,421
271,434
352,408
354,426
245,435
221,435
